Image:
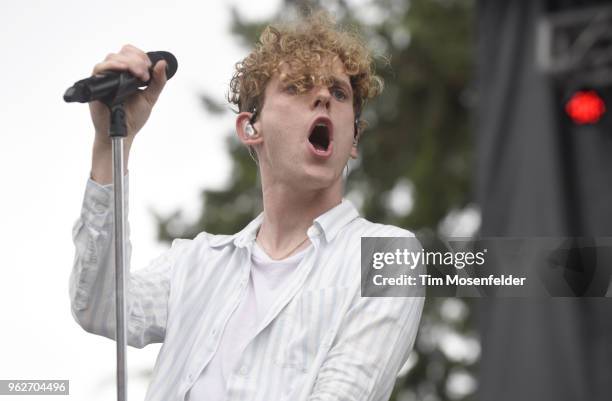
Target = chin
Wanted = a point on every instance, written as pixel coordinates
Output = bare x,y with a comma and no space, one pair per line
319,177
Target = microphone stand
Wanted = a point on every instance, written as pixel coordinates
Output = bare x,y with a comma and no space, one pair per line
117,132
81,92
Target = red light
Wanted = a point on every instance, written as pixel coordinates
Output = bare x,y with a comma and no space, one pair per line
585,107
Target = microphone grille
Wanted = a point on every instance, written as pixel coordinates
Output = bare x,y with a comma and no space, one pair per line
171,62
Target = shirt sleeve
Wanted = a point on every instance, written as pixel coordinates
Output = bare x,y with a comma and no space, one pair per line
373,342
92,280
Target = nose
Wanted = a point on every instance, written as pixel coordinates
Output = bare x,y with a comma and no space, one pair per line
322,97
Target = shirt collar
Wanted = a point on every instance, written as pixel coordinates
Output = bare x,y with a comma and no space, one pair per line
335,219
329,224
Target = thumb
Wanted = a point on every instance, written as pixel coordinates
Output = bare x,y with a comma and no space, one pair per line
158,82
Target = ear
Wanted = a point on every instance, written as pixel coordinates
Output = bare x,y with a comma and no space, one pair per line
242,120
356,135
354,151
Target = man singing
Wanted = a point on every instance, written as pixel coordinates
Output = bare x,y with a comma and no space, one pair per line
273,312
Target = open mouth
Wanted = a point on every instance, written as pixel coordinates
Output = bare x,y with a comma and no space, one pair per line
321,136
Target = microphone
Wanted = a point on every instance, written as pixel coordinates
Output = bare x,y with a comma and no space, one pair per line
116,85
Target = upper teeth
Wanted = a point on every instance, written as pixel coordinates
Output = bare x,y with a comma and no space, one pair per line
321,125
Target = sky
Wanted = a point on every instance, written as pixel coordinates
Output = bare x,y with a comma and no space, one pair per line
45,161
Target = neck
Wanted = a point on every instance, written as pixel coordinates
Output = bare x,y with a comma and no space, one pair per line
289,212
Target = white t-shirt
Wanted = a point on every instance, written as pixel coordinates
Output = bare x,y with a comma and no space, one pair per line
265,283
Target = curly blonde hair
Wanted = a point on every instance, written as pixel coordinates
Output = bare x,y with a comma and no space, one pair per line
308,48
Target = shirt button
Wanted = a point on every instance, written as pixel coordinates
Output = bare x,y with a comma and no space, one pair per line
244,370
190,377
313,231
214,332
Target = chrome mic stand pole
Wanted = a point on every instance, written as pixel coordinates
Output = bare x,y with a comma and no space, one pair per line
118,131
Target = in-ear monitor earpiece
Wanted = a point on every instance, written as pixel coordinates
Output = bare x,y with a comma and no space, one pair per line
249,130
356,129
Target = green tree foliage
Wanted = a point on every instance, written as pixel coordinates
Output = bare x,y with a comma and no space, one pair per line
417,148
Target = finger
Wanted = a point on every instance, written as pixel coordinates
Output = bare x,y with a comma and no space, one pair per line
157,83
130,50
138,62
132,63
104,66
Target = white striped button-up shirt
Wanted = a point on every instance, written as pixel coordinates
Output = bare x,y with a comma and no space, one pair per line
319,341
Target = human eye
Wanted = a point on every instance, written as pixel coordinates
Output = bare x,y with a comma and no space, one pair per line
290,89
339,93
